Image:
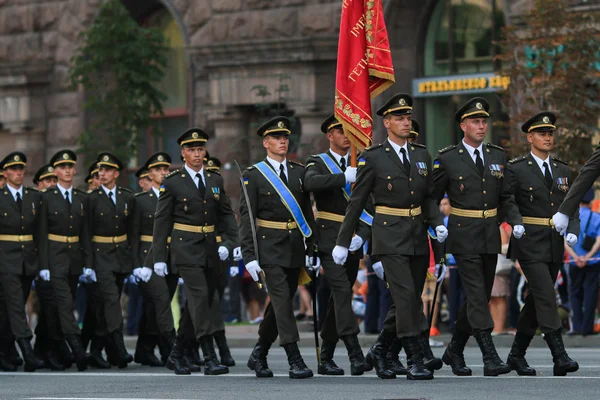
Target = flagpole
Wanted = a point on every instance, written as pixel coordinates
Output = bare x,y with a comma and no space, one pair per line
353,156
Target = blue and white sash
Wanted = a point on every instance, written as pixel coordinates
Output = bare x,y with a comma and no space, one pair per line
287,198
334,168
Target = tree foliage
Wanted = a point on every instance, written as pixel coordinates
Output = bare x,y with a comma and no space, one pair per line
553,60
118,65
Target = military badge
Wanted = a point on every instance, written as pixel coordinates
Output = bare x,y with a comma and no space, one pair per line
461,187
563,184
195,135
126,212
497,170
436,164
479,106
389,186
216,193
422,168
546,120
32,208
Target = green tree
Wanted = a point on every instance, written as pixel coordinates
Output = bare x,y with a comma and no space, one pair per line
553,59
118,65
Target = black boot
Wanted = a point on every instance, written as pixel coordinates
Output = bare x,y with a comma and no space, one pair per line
562,362
176,362
358,365
431,362
64,354
31,361
258,360
52,358
13,354
211,362
298,369
492,364
144,352
454,357
392,358
328,366
76,346
5,363
417,370
95,358
198,360
122,356
188,356
165,345
516,358
224,352
376,356
40,350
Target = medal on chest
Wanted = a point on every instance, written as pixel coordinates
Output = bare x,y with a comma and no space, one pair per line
563,184
422,168
497,170
216,193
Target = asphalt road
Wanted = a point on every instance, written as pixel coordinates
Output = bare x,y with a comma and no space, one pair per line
137,382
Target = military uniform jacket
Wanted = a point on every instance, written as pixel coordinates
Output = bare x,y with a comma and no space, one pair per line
275,247
106,219
382,176
587,176
327,189
535,199
455,173
56,219
143,225
180,202
16,257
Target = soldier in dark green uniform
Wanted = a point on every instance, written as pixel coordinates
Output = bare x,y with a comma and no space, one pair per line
19,265
284,221
192,203
540,183
472,173
93,180
398,177
328,176
108,252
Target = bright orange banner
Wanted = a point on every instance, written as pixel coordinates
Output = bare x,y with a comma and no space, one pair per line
364,67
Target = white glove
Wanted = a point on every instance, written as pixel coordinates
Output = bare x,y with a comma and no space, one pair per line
356,243
309,264
440,274
350,174
136,272
339,254
180,281
160,269
145,274
223,253
561,222
378,268
253,269
518,231
442,233
45,274
237,254
234,271
571,239
90,274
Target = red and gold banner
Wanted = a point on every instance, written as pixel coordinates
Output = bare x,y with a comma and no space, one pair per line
364,67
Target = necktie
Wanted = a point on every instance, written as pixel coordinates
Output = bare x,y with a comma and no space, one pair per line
343,164
282,174
547,175
478,162
405,161
201,187
19,202
68,201
112,199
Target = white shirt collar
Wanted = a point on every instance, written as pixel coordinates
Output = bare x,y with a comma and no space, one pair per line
156,191
63,190
338,158
276,165
397,148
113,191
14,191
193,174
471,150
541,162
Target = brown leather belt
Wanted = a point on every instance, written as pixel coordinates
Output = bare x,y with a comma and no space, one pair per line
459,212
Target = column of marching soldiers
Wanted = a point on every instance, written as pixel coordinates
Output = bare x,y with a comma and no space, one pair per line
182,229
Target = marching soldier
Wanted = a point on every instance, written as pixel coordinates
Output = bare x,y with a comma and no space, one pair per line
472,174
398,177
328,176
108,253
192,202
144,180
539,183
19,206
284,221
92,179
62,230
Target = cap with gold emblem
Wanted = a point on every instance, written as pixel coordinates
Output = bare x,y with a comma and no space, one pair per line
414,129
540,122
47,171
330,123
193,137
477,107
15,158
277,126
109,160
398,104
158,159
63,157
92,170
213,164
142,172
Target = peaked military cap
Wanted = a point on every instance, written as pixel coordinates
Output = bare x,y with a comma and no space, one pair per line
92,170
142,172
330,123
476,107
414,128
213,164
540,122
14,158
109,160
193,137
63,157
398,104
275,127
46,171
157,159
